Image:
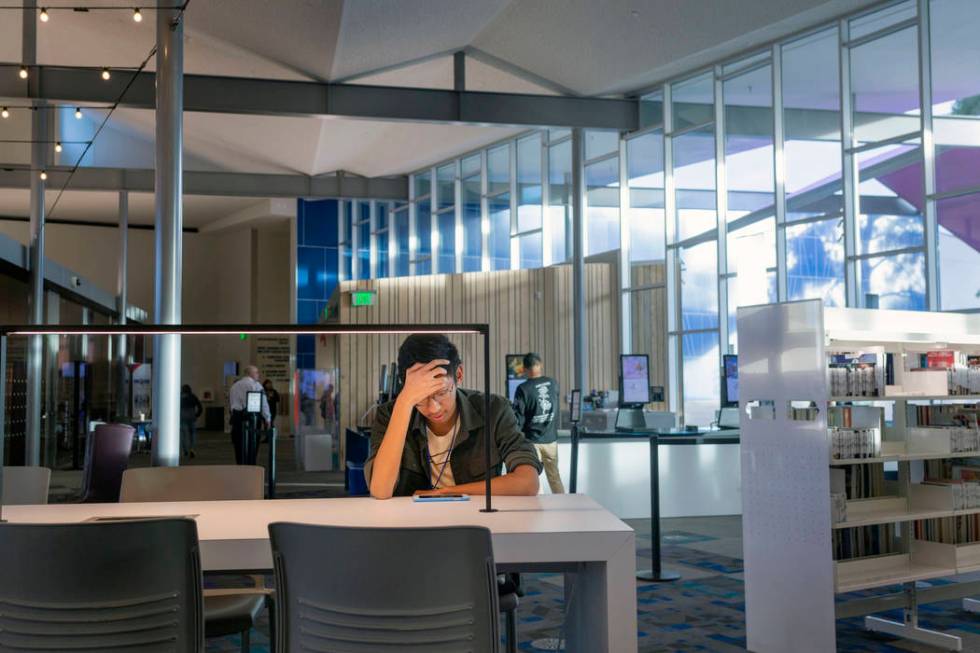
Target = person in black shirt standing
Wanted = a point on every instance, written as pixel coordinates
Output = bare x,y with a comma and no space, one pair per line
536,407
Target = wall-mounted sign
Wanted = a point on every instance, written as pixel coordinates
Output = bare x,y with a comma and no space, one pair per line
362,297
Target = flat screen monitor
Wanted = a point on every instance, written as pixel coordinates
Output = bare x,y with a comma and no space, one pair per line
634,380
729,381
515,373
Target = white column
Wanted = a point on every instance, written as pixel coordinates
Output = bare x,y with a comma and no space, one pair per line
169,226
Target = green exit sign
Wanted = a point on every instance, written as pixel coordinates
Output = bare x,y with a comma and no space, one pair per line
362,298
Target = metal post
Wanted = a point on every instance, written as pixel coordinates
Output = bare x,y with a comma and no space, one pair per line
3,413
779,170
35,353
487,456
675,367
721,215
928,159
849,174
122,341
169,224
459,71
625,252
580,379
52,314
655,574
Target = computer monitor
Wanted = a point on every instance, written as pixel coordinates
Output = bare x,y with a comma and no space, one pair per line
634,380
729,380
515,373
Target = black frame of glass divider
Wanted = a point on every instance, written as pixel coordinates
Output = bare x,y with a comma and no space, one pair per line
250,329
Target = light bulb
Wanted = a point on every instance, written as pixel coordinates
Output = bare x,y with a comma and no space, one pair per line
57,146
78,113
23,72
137,16
44,175
44,15
5,113
105,74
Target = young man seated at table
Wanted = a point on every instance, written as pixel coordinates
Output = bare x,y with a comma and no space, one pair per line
429,440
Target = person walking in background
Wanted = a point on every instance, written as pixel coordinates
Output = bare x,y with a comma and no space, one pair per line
272,396
238,400
190,410
328,408
536,408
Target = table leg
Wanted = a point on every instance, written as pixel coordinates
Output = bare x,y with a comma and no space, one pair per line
655,574
601,604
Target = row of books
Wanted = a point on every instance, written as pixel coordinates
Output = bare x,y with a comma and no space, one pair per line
858,481
943,415
949,530
959,469
966,494
864,541
847,443
854,378
838,507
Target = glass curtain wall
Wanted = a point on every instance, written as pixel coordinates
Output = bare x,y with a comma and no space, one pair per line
836,165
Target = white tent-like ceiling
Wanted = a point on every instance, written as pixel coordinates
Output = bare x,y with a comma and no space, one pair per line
570,47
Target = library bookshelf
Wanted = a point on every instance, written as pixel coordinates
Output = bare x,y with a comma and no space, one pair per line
822,519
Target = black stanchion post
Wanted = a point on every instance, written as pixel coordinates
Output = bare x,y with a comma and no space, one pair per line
270,472
655,574
573,482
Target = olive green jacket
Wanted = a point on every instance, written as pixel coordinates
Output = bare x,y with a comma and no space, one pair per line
508,447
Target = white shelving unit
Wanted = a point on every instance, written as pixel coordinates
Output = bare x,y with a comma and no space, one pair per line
791,577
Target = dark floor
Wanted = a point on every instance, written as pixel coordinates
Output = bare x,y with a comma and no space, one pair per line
704,611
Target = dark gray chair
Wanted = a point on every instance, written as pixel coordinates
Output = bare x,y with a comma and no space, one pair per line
107,452
101,586
226,612
363,590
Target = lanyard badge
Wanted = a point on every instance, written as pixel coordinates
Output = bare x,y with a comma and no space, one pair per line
427,458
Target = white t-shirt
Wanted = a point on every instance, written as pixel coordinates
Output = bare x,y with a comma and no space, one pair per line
440,453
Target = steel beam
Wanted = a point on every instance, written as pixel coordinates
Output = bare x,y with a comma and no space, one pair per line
273,97
233,184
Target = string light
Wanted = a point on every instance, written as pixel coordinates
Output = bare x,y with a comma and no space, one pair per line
44,15
78,113
137,16
57,146
105,74
44,175
23,72
4,113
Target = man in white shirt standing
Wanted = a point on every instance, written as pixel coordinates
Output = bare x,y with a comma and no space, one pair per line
238,400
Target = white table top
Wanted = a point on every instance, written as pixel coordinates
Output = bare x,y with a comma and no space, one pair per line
234,534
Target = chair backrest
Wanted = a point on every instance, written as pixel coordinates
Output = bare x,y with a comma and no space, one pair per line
106,458
25,485
384,589
356,446
101,586
192,483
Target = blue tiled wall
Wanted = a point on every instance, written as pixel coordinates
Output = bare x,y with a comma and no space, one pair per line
316,269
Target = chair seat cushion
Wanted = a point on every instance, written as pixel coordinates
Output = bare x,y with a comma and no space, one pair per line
231,613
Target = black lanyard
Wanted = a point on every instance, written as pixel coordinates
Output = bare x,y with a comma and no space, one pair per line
427,457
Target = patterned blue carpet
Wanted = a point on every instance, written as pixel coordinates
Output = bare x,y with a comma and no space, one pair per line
704,611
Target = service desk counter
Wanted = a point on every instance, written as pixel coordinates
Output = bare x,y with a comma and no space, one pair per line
700,474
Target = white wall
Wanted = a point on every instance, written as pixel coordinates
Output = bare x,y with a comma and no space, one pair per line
218,284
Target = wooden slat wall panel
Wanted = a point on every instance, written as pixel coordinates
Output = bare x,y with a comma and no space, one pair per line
528,310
